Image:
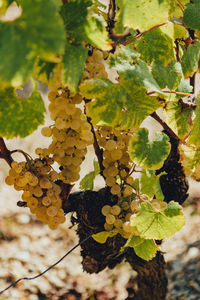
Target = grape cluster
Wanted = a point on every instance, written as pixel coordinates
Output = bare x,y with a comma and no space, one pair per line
94,67
71,134
119,216
42,195
116,160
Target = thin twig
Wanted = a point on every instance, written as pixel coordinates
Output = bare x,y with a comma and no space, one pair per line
164,125
4,152
142,33
52,266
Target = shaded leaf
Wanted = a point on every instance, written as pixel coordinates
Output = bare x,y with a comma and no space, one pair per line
74,62
30,35
191,17
167,76
194,137
149,154
150,184
24,114
190,59
83,24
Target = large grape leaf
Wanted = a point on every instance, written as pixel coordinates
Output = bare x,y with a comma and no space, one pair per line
178,119
194,137
157,44
83,24
153,224
150,184
146,250
125,104
191,17
35,32
143,15
20,116
149,154
74,62
167,76
190,59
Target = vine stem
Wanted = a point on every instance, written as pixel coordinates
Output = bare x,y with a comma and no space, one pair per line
5,153
97,149
170,92
142,33
155,116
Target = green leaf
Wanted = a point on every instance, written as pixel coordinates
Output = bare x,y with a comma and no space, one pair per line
44,31
17,64
96,168
125,104
20,116
153,224
83,24
143,15
150,184
167,76
30,35
101,237
191,17
194,137
173,209
190,59
157,45
74,62
177,118
149,154
146,250
87,183
129,66
133,241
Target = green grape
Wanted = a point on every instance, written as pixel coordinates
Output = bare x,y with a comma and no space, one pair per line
115,210
105,210
110,219
108,227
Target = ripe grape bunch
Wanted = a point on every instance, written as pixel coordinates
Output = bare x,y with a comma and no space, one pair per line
41,194
116,160
71,134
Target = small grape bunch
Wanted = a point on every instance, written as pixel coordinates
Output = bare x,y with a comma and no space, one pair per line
119,216
94,67
42,195
116,160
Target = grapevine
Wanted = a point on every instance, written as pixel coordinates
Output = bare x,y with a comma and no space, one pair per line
108,69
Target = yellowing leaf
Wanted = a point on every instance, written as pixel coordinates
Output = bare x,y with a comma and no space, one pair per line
101,237
153,224
143,15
